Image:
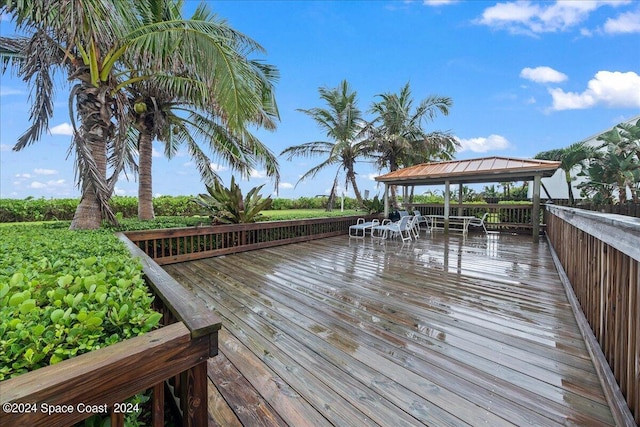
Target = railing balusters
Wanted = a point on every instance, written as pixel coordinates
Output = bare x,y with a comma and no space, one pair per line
600,254
225,239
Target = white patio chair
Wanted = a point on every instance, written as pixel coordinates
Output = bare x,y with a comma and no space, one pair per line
359,230
401,228
479,222
414,227
422,220
380,231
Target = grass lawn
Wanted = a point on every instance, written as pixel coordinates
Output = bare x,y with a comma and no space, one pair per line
308,213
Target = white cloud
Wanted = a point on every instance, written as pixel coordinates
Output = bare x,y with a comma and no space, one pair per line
62,129
257,174
5,147
285,185
45,171
23,175
543,75
119,191
532,18
625,23
6,91
482,144
57,183
372,176
437,3
216,167
611,89
155,153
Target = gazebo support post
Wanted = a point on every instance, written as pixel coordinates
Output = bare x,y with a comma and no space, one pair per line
447,195
535,211
386,200
460,209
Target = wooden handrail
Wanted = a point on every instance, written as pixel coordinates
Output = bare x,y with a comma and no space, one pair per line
188,244
199,319
103,378
598,258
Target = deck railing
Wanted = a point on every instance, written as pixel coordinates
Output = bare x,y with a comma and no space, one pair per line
600,254
187,244
502,217
173,358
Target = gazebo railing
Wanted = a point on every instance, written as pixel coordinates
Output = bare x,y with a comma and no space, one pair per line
502,217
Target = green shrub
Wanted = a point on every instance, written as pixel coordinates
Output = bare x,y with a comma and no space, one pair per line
227,206
63,293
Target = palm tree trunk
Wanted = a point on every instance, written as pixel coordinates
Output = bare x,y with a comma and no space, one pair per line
332,196
145,188
91,146
356,191
569,188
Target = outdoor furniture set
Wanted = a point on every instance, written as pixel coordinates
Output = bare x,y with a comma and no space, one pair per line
408,227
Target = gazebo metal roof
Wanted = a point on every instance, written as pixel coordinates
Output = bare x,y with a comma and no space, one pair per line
487,169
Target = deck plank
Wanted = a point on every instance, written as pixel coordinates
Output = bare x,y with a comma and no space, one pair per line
445,331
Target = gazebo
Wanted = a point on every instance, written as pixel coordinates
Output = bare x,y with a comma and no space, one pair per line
473,171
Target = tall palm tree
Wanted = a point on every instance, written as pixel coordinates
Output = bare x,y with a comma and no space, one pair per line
170,106
570,157
104,46
82,39
397,133
342,122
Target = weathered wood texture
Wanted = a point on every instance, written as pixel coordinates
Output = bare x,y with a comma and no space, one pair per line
502,217
445,331
199,319
106,376
186,244
601,256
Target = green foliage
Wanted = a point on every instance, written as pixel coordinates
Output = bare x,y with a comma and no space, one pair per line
30,209
227,206
375,205
63,293
289,214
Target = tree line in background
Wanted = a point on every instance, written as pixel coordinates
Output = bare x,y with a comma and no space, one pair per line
611,167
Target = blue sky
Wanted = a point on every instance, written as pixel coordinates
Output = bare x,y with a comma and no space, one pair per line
524,77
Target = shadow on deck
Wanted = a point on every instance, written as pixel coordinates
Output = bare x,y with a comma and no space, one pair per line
445,331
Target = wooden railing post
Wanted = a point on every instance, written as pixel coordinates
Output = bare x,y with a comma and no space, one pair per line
194,396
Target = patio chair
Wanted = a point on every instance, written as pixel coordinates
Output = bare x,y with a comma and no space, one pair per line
479,222
401,228
422,220
359,230
380,231
414,227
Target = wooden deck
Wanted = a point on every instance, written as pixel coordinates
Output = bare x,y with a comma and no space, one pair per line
446,331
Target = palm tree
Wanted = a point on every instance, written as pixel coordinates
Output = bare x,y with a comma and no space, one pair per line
82,38
621,160
171,107
342,122
104,46
398,137
570,157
